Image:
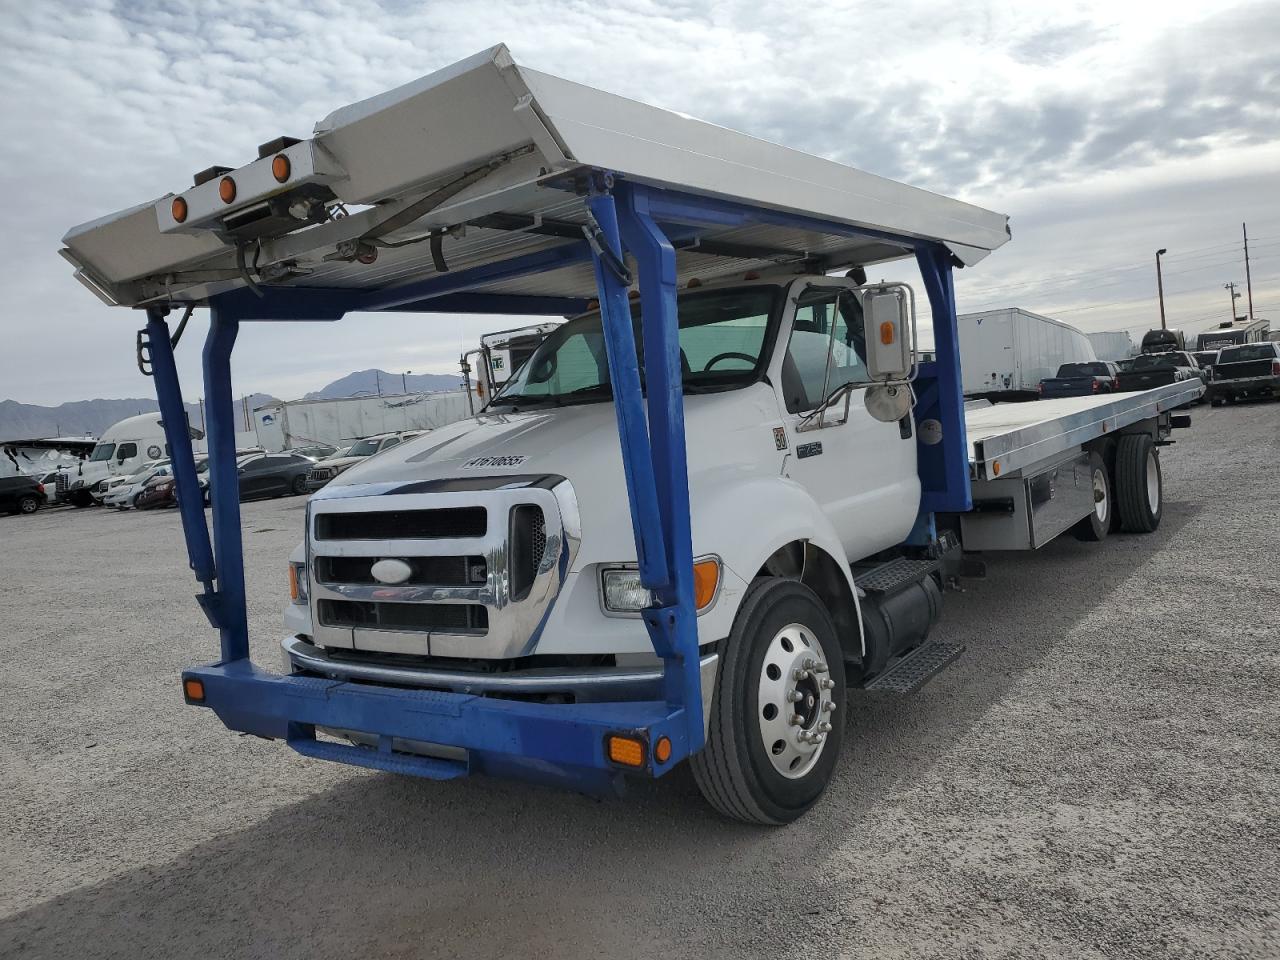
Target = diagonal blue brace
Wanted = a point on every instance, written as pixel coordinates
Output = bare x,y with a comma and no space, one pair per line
178,436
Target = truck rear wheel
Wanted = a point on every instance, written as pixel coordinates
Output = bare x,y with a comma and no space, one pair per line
777,710
1097,524
1139,484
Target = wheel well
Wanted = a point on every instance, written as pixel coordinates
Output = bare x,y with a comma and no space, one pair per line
821,573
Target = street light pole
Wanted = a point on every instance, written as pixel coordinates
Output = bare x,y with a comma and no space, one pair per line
1160,286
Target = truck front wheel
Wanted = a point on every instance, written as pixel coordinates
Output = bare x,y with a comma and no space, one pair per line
777,711
1139,484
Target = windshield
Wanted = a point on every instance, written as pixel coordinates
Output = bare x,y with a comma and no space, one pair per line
1152,361
1221,338
1084,370
103,451
1254,351
723,335
364,448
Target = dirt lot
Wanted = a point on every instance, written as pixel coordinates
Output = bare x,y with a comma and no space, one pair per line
1096,778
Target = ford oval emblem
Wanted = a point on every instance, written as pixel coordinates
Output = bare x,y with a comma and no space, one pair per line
391,571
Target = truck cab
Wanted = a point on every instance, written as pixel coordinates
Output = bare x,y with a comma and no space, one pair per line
521,503
123,449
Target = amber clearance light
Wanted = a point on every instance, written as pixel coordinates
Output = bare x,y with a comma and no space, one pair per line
280,167
179,209
227,189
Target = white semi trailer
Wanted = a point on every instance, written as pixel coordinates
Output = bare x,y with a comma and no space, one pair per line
1004,354
338,422
717,504
1112,344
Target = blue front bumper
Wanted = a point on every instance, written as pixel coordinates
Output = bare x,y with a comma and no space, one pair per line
562,744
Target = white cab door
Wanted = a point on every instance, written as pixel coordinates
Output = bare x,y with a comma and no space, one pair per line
861,471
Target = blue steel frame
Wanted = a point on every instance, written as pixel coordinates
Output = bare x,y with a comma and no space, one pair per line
563,743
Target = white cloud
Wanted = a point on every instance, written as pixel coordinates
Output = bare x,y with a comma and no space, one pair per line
1106,129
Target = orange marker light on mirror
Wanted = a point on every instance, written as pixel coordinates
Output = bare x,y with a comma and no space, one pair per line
887,333
227,189
280,167
179,209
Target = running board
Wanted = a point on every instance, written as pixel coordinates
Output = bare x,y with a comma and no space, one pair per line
914,670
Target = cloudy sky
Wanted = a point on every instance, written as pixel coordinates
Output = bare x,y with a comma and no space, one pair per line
1105,129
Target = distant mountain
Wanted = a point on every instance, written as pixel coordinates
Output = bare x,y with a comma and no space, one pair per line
369,382
25,421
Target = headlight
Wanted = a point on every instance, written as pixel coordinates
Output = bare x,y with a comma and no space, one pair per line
298,582
621,591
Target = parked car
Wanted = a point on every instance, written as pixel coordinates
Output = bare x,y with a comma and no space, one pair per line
122,495
1207,359
317,451
157,492
326,470
1249,370
1081,379
1158,369
273,475
21,494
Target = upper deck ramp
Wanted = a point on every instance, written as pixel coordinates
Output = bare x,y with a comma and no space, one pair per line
484,161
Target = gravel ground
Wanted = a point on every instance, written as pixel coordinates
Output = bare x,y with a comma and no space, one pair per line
1096,778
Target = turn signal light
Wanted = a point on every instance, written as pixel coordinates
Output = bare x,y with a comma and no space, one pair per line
887,333
227,189
625,750
193,690
280,167
706,577
179,209
293,583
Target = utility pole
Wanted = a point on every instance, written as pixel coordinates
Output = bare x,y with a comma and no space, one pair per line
1160,286
377,375
1234,297
403,388
1248,282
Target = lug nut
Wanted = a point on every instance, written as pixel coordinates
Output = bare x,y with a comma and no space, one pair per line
817,738
799,674
795,720
824,727
827,683
808,663
819,668
795,696
828,707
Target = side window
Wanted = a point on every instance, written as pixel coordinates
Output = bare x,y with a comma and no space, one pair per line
579,364
814,343
390,442
127,451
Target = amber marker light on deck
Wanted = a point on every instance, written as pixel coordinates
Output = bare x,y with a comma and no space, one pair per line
227,189
625,750
179,209
193,690
280,167
706,578
662,749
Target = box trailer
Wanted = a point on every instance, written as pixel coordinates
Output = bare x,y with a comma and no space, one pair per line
1112,344
721,500
338,422
1004,354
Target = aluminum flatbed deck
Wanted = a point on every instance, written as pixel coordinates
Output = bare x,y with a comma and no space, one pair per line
1017,435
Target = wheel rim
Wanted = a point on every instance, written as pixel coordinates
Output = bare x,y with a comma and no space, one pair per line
795,707
1101,506
1153,481
27,506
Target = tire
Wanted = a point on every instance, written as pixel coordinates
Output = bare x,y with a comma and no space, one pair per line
1139,484
1217,402
28,504
299,485
1097,524
80,499
750,742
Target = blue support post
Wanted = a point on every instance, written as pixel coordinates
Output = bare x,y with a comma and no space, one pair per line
628,405
943,466
226,607
674,623
177,435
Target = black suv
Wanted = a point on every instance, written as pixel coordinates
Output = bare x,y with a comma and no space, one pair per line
21,494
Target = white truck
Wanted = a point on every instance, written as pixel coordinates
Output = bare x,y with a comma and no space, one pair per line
1112,344
339,422
1004,354
720,501
122,450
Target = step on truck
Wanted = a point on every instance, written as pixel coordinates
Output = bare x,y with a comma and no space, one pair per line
718,502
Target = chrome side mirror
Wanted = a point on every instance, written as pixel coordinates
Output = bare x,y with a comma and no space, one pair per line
889,320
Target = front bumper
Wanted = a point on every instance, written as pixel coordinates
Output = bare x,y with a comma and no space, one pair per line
440,734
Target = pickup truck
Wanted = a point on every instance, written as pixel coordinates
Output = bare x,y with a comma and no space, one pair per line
1157,369
1081,380
710,510
1250,370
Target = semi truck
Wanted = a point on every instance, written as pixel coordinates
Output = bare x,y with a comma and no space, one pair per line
719,502
1004,354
